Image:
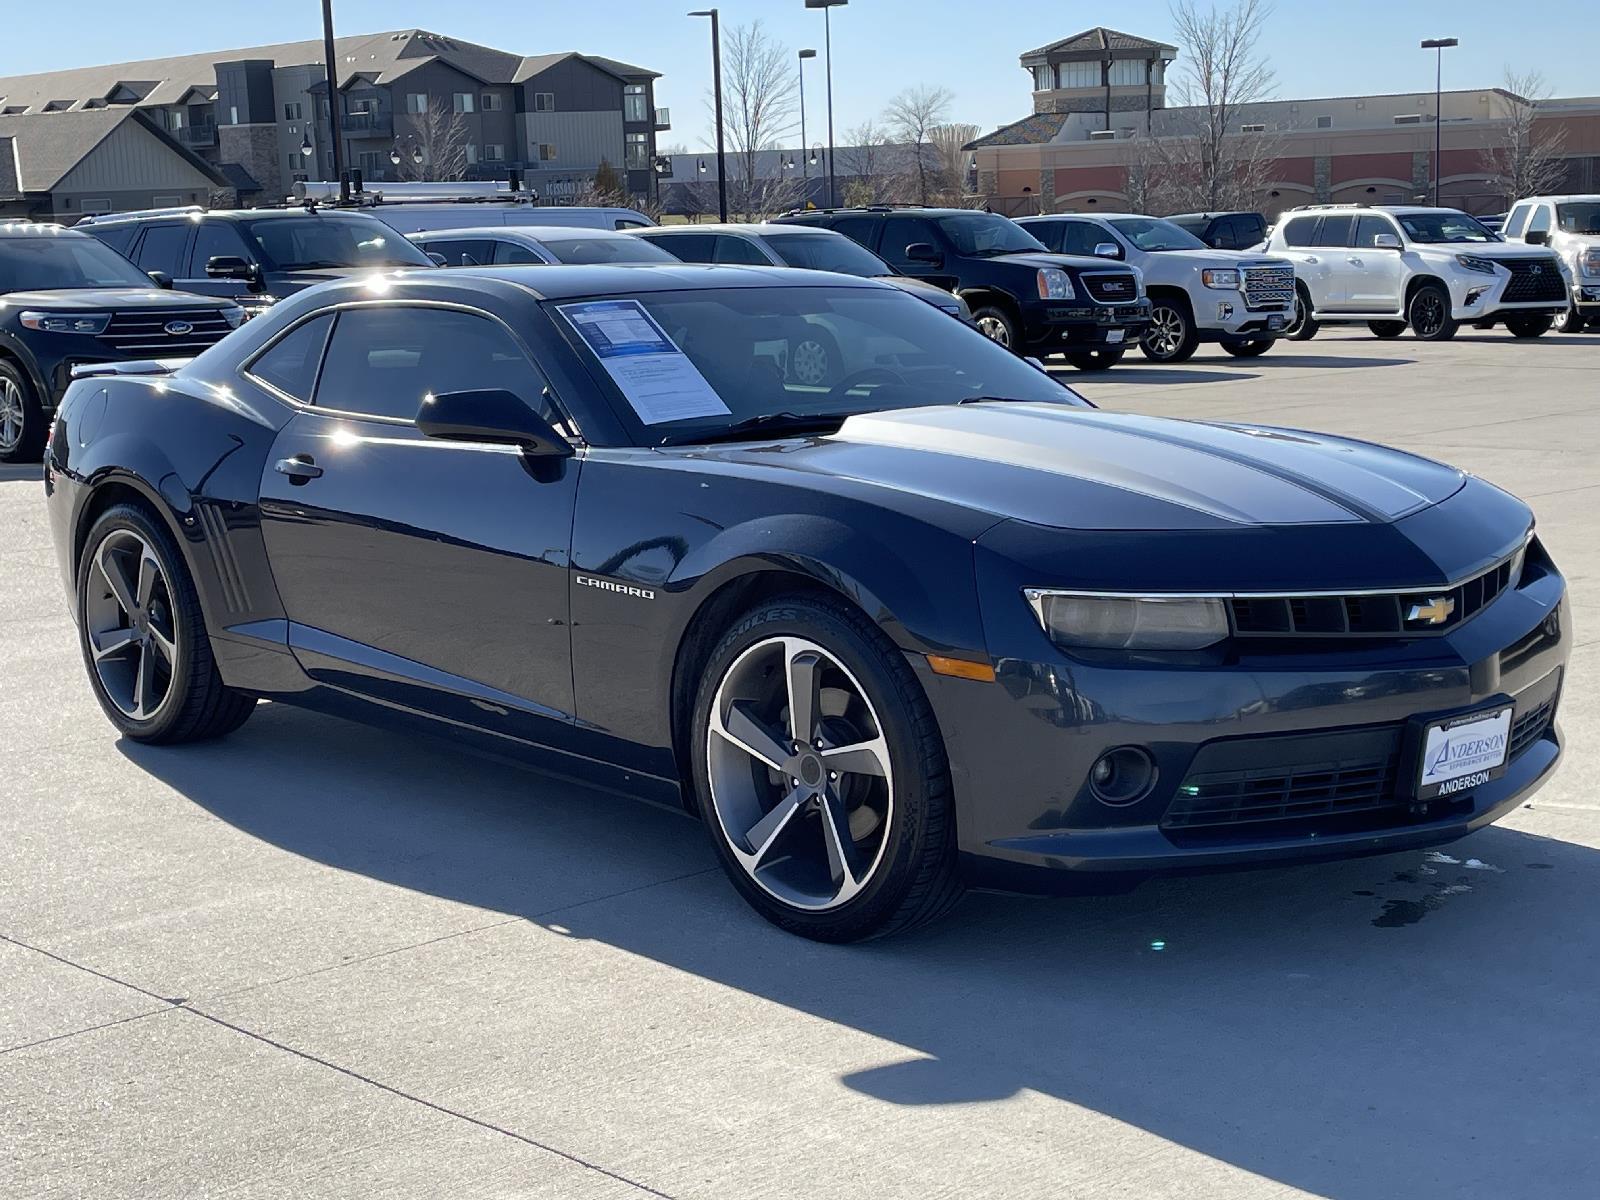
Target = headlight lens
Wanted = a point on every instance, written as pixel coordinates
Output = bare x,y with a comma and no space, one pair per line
1589,262
1471,262
1129,622
1220,277
1054,284
235,316
87,323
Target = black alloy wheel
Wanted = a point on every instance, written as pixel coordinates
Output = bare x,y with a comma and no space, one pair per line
1429,314
1302,326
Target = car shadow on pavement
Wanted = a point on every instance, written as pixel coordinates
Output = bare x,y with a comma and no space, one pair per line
1144,375
11,472
1420,1024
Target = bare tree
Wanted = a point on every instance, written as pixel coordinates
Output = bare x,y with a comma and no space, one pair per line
948,142
439,138
759,90
1527,157
912,116
1210,159
865,161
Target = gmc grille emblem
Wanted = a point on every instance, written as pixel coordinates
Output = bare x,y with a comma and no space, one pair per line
178,328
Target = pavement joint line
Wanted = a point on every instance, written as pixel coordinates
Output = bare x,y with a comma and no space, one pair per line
426,1103
172,1002
61,1037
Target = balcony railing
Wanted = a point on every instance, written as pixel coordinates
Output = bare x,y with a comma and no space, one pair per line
367,124
197,135
663,118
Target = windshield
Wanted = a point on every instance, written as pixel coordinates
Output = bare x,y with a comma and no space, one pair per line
1154,235
809,355
827,252
605,250
1436,227
1579,218
48,263
331,240
984,234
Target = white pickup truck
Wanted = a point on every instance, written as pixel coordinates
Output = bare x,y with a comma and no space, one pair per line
1242,300
1570,226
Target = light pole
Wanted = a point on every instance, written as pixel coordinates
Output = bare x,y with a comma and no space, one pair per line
329,60
827,7
716,85
805,172
1438,46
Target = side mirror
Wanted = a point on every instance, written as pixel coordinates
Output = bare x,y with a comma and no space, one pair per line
1537,237
1386,241
924,252
160,278
1107,250
491,415
227,266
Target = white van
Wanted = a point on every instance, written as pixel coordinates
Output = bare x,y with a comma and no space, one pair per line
415,207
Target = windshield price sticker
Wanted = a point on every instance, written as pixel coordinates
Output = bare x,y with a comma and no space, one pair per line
1462,753
655,376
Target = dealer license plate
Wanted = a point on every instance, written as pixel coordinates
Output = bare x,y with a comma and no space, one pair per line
1460,753
1113,336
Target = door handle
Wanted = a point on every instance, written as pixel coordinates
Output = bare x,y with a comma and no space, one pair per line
1311,260
1353,261
299,469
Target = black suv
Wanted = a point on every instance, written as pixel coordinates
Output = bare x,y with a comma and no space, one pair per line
65,299
255,256
1225,230
1021,294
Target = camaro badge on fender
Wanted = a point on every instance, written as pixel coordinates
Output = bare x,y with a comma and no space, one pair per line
622,589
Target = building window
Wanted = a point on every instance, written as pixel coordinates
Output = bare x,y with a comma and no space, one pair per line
1043,79
293,112
544,102
1252,129
491,102
416,103
1324,122
547,152
472,153
175,119
634,103
1409,119
637,157
1078,75
95,206
372,163
367,105
1127,72
465,102
494,152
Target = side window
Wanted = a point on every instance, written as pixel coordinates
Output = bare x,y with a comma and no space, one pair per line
1302,231
291,363
1248,230
1336,231
1048,233
381,362
690,247
1222,235
858,229
629,223
1517,221
1368,229
514,252
1539,222
462,252
162,249
119,240
1081,237
215,239
738,250
900,232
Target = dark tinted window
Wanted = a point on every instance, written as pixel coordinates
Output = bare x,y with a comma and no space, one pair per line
1368,228
383,361
1219,233
738,251
859,229
465,252
1301,231
1049,233
983,234
1249,228
1336,231
596,248
689,247
511,253
162,248
291,364
291,243
32,263
1081,237
901,232
826,252
118,239
214,239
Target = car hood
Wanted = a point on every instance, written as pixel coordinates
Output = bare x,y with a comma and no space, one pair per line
1495,249
286,283
1228,258
1044,258
101,299
922,290
1084,469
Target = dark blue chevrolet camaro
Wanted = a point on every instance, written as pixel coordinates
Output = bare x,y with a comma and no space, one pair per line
941,624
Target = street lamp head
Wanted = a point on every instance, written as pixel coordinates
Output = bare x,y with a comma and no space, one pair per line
808,54
826,3
704,12
1439,43
305,145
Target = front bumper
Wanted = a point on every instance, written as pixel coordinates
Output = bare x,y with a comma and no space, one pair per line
1084,324
1586,298
1225,316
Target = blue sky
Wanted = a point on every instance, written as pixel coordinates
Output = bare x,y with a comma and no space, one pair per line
880,46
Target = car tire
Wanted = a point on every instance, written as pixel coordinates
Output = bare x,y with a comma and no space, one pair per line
1428,314
1571,321
141,629
1529,325
22,420
814,359
1171,337
1094,360
1302,327
782,843
1249,347
1386,329
996,324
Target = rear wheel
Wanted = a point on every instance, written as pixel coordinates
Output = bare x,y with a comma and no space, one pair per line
1095,360
821,775
22,422
1428,314
143,636
1248,347
996,324
1171,336
1302,328
1571,321
1386,329
1529,325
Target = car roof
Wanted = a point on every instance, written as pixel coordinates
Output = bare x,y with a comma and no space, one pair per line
512,232
28,229
1212,216
226,214
1583,197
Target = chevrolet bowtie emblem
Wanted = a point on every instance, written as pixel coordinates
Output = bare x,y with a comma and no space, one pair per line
1435,612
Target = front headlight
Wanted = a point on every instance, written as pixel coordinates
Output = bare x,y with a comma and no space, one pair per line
1129,622
1054,284
1471,262
90,323
235,316
1222,278
1589,262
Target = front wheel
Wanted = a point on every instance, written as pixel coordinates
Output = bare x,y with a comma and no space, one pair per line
821,775
1171,336
1529,325
22,422
1249,347
1429,314
1386,329
996,324
143,636
1302,326
1095,360
1571,321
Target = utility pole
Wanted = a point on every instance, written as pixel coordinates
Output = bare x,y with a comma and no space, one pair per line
716,86
331,61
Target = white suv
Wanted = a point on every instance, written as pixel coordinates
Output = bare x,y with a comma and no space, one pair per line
1197,294
1570,226
1432,269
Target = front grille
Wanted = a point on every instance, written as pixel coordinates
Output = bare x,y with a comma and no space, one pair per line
1268,288
1369,614
1111,288
143,334
1532,280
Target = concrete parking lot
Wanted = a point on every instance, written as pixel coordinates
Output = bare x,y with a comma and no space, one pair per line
315,960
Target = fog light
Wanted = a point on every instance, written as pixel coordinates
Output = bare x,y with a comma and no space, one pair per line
1224,311
1122,776
1474,295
